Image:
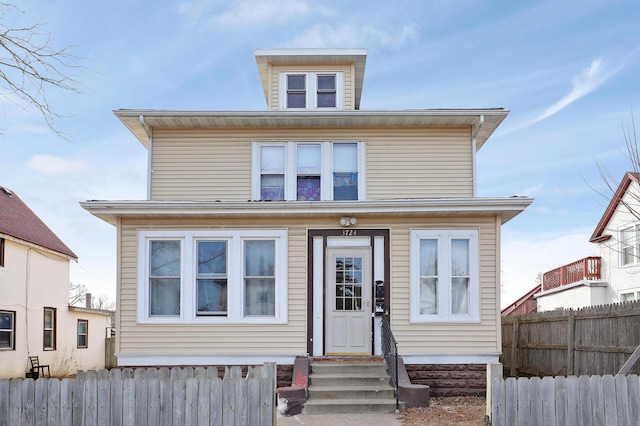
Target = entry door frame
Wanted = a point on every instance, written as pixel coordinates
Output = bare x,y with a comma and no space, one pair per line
379,242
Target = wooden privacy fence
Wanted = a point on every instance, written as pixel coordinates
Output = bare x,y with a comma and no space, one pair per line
583,401
177,396
587,341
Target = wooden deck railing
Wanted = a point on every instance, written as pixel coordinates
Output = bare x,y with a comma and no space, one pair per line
583,269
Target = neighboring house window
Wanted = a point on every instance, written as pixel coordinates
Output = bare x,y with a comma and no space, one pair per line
83,334
7,330
49,335
630,245
311,90
445,282
213,276
1,252
629,295
308,171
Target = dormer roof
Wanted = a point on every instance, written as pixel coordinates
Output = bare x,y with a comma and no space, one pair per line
356,57
599,234
19,222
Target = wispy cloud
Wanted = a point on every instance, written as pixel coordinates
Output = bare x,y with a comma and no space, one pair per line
56,166
325,35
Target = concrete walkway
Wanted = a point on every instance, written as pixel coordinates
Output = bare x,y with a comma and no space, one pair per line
341,420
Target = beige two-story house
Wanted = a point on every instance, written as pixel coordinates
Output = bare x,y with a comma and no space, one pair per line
292,231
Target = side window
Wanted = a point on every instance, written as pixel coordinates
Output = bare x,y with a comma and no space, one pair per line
445,282
272,172
49,333
7,330
345,171
309,171
83,334
164,278
212,278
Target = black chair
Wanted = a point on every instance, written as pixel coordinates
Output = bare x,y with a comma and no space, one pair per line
37,368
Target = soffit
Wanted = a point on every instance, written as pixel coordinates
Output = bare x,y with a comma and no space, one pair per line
141,122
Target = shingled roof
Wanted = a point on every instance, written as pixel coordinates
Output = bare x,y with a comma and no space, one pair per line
20,222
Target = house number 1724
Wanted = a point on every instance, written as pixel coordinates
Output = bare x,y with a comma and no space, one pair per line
349,232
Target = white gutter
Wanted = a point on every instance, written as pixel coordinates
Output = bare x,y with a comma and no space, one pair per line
474,153
147,130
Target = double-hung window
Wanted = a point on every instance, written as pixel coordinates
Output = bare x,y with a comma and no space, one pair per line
207,276
83,334
629,245
311,90
7,330
308,171
445,276
49,333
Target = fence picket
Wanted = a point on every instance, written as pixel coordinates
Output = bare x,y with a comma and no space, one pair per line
66,402
217,401
267,401
253,400
116,402
53,402
77,414
15,402
228,402
142,399
204,402
129,401
535,390
191,402
40,405
498,403
585,415
166,399
622,399
609,390
548,401
179,395
523,403
597,401
104,401
153,394
511,406
633,387
561,400
28,400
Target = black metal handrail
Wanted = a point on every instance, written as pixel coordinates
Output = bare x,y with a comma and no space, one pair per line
390,353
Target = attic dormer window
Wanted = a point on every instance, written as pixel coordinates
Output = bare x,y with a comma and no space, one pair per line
311,90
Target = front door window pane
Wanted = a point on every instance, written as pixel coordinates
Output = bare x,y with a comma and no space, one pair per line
259,278
348,284
429,277
212,278
164,278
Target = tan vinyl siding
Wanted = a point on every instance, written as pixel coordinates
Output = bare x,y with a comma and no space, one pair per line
215,164
255,339
275,81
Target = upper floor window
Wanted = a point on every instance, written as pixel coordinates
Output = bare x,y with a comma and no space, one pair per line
311,90
7,330
629,245
445,275
308,171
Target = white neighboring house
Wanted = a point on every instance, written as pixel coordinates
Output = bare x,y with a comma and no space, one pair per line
35,316
612,277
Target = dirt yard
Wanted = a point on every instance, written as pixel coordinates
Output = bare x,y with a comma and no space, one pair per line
446,411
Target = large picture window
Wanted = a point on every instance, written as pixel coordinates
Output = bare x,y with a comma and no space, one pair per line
308,171
212,276
7,330
444,275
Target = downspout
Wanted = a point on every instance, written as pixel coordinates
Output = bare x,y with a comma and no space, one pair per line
473,154
147,130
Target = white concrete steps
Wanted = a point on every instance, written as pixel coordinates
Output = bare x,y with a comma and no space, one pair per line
350,386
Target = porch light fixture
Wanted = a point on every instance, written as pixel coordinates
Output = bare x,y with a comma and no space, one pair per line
348,221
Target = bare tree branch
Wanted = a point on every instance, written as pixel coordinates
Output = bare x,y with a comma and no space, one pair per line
31,67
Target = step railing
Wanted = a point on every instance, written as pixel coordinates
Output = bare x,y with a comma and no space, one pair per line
390,353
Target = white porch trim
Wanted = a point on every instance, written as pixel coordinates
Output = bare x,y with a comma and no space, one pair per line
147,360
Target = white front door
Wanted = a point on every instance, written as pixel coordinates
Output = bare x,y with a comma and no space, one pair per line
349,303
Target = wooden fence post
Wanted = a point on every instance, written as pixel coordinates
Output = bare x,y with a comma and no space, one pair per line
494,371
571,342
514,349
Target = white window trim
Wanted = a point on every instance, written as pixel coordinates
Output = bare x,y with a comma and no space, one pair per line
635,244
311,89
291,172
11,331
235,282
444,289
634,291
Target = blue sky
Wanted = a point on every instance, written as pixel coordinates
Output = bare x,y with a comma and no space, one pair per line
568,72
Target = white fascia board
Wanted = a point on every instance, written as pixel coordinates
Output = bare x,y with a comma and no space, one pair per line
586,283
145,360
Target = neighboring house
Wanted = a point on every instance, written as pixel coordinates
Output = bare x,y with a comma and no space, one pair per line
272,234
611,277
35,319
527,304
